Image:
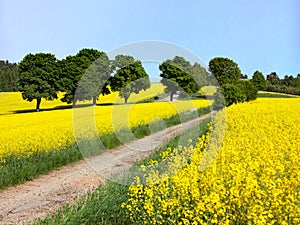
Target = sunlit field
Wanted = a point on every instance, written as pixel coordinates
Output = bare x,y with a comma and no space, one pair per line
26,133
254,178
156,89
12,102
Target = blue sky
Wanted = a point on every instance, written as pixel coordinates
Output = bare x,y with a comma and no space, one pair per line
258,35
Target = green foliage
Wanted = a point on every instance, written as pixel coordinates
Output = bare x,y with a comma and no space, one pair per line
8,76
288,85
17,168
232,94
283,89
225,70
38,77
259,81
91,62
273,78
121,61
233,89
178,74
248,89
131,78
219,101
274,95
95,80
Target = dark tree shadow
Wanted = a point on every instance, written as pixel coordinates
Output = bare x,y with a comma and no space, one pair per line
61,107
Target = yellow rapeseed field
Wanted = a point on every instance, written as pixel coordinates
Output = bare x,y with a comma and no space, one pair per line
254,178
50,130
11,102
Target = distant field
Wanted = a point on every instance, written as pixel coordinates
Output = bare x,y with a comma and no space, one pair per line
266,94
33,143
53,129
12,102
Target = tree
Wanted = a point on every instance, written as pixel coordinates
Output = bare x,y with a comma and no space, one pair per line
8,76
244,76
225,70
95,65
248,89
178,74
232,94
121,61
219,101
273,79
132,78
200,75
259,81
95,80
38,77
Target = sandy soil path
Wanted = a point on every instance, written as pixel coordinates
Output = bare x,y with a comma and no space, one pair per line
46,194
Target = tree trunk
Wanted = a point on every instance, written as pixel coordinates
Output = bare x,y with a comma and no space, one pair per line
171,96
38,103
126,99
94,100
74,102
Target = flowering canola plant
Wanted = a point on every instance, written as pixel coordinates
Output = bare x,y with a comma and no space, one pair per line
253,178
26,133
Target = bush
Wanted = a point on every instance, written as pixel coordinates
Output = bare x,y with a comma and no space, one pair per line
232,94
248,89
283,89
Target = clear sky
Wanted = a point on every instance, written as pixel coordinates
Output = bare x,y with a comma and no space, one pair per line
258,34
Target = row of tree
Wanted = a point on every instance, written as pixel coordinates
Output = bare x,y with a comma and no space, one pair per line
81,77
287,85
89,73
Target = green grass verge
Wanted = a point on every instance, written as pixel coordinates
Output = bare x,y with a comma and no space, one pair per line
104,205
17,169
274,95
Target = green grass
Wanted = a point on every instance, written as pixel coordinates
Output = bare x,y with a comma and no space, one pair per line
274,95
104,205
17,169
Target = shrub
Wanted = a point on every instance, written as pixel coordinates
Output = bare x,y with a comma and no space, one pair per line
248,89
232,94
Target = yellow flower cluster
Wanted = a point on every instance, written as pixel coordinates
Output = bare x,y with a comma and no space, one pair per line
252,179
50,130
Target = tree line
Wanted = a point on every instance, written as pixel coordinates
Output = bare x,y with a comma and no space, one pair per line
8,76
90,73
80,77
287,85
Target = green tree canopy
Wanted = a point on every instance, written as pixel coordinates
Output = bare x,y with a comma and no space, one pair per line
91,62
95,80
248,89
178,74
225,70
273,78
232,94
38,77
121,61
128,78
8,76
259,81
